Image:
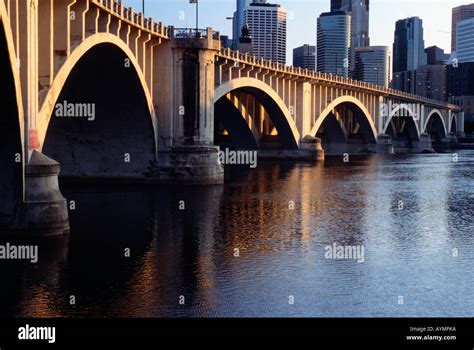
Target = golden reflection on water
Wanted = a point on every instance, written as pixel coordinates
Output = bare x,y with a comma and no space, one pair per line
279,218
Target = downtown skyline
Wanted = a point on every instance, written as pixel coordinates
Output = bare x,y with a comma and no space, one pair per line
303,14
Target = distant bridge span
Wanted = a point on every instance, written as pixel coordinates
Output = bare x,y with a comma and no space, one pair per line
326,105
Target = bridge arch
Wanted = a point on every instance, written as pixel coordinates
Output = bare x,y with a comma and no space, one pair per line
402,112
103,75
12,126
77,54
273,104
345,126
350,100
435,126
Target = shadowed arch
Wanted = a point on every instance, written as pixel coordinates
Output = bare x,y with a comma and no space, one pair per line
363,116
115,138
391,129
435,126
335,128
78,53
272,103
241,135
411,128
11,126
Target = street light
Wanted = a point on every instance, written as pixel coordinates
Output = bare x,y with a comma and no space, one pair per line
234,40
197,14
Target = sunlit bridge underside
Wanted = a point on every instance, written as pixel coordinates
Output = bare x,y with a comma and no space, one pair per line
249,119
346,130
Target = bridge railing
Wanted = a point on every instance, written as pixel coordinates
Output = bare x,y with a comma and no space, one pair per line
136,18
306,73
194,33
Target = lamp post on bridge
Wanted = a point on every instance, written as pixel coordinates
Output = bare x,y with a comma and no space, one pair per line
197,15
234,41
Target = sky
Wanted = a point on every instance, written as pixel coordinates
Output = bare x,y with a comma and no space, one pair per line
302,16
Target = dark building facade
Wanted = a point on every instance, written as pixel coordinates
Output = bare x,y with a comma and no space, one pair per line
436,55
428,81
460,79
460,88
305,57
409,45
226,42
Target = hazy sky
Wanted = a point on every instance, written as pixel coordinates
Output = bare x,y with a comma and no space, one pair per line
302,15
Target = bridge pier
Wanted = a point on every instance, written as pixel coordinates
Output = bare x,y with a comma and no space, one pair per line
424,145
188,74
450,142
355,145
44,211
191,165
310,150
313,146
447,143
452,138
460,125
384,144
404,146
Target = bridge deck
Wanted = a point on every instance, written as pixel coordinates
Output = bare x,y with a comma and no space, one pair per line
314,76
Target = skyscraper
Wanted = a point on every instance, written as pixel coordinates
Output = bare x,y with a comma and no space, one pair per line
461,90
267,25
238,20
436,55
465,41
359,12
372,65
460,13
409,45
333,43
305,57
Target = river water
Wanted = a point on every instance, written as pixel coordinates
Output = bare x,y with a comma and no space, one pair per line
258,245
